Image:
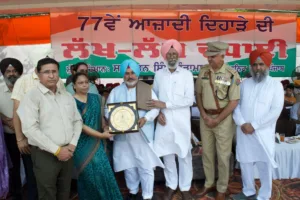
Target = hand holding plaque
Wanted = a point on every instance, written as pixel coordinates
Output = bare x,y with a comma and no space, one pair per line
123,117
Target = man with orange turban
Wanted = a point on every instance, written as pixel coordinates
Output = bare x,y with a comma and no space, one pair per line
261,103
174,87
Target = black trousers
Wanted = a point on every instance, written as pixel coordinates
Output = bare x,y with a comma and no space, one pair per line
15,185
14,173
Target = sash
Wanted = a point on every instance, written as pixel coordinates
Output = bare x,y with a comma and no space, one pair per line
143,94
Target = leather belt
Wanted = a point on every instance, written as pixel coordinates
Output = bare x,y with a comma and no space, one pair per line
214,111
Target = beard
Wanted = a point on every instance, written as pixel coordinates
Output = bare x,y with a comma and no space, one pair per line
172,64
11,80
131,83
259,76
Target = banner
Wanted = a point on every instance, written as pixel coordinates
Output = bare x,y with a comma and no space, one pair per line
28,30
104,39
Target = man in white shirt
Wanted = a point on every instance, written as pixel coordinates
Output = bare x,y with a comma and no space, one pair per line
133,152
11,69
52,124
261,103
174,87
24,84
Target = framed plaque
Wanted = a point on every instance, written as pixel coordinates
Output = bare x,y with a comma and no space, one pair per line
123,117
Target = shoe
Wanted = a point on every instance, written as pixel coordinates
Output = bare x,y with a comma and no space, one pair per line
132,197
242,196
220,196
204,191
168,194
186,195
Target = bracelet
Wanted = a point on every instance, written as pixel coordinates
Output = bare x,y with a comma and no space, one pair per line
57,152
21,139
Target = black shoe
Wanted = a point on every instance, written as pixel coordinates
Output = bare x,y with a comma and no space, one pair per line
132,197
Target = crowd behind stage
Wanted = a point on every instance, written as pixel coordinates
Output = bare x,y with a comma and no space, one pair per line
62,129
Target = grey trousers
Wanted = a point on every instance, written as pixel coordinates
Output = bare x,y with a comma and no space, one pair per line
53,177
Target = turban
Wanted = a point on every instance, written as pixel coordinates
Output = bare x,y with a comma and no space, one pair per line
285,82
6,62
167,46
109,85
131,64
265,55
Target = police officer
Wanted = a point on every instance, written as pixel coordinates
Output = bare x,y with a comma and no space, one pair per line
218,93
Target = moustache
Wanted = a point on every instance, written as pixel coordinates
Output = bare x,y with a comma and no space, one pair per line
12,79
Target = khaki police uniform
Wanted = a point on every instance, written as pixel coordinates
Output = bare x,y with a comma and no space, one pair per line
225,83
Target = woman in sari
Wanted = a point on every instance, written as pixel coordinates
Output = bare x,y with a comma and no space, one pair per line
96,180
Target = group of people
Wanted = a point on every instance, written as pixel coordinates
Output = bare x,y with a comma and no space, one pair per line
57,130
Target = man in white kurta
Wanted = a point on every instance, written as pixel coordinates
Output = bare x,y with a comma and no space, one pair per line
133,152
174,87
260,105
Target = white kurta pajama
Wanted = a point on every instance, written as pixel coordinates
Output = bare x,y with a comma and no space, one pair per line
260,104
132,152
177,91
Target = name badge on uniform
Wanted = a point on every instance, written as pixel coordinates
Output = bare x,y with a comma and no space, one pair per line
222,80
205,76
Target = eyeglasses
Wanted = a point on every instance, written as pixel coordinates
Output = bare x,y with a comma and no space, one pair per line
48,72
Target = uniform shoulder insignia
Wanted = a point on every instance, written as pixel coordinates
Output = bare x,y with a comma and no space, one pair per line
204,67
231,70
204,72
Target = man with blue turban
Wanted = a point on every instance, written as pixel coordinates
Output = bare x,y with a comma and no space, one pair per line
133,153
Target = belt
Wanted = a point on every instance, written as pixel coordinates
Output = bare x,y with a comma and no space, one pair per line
213,111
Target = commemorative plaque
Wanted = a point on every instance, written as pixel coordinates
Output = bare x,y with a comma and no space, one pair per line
123,117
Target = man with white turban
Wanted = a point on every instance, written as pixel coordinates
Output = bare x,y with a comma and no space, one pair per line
260,105
133,152
174,87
